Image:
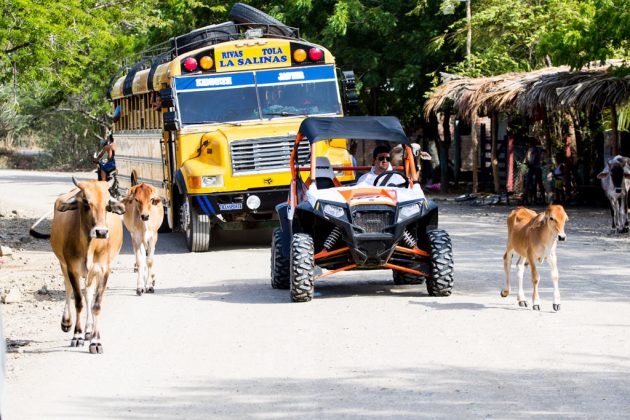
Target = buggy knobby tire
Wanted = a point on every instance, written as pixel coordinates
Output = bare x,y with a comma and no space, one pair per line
401,278
302,268
441,281
243,13
196,227
280,265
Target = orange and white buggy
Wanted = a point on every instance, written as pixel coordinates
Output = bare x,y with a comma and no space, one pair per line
388,225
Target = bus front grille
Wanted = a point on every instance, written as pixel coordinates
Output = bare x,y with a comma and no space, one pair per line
270,154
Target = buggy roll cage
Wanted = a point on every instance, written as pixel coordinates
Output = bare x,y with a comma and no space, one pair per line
316,129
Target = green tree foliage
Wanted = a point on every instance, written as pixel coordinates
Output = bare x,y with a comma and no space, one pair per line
57,58
598,30
521,35
385,43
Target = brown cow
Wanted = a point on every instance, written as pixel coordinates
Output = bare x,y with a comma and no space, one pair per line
86,237
143,217
534,236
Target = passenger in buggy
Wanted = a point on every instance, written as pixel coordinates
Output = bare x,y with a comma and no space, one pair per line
380,163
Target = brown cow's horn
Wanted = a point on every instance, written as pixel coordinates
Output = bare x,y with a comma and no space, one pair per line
75,181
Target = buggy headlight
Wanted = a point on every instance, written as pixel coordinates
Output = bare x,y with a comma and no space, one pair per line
405,212
333,211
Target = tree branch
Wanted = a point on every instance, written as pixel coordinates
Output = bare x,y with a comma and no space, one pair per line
100,121
110,4
18,47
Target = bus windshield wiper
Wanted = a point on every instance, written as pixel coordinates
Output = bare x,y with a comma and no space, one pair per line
217,122
283,114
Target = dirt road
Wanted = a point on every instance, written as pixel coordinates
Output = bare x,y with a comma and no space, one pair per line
215,341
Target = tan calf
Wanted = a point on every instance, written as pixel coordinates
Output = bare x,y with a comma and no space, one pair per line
143,216
86,236
533,236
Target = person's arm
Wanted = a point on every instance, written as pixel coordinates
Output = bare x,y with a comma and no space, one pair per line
105,148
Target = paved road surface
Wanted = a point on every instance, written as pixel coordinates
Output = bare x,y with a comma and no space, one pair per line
215,341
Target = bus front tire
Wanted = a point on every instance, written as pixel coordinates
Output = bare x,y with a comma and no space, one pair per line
196,227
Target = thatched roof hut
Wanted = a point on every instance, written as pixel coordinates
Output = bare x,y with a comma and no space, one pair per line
547,89
550,88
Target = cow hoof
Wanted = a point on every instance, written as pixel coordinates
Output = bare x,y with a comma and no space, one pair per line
536,307
139,292
88,336
522,303
504,293
76,342
150,290
96,348
66,327
73,342
556,307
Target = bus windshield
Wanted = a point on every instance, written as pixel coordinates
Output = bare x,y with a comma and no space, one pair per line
257,95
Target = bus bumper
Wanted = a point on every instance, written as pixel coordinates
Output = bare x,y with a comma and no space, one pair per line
256,205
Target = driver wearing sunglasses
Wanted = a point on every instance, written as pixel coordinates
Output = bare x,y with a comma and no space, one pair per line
380,164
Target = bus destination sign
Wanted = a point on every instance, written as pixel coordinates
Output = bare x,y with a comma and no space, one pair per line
230,58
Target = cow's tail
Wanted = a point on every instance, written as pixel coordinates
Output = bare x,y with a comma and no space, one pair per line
36,234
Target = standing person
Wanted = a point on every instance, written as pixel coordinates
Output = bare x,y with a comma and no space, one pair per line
533,160
380,164
559,176
106,158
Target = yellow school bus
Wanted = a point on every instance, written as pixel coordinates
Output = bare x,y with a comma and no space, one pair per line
211,123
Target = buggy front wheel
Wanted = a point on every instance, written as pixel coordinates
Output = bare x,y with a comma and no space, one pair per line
302,268
280,265
441,281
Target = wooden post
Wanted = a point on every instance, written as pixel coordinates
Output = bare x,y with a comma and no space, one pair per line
444,146
457,162
615,133
474,136
494,128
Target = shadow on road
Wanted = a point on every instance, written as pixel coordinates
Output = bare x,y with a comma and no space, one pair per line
175,242
384,393
252,291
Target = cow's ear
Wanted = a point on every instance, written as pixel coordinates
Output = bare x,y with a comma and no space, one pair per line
127,199
602,174
71,204
415,147
156,200
115,206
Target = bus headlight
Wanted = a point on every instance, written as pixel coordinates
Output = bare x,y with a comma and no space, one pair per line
211,181
253,202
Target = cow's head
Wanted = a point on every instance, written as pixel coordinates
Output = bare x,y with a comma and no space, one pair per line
93,202
556,217
618,168
143,196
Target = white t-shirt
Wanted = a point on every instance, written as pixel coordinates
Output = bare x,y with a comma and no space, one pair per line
370,176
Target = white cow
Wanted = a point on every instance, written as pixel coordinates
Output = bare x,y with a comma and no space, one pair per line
615,181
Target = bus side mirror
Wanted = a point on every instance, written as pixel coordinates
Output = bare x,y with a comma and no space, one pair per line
170,121
349,88
166,95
